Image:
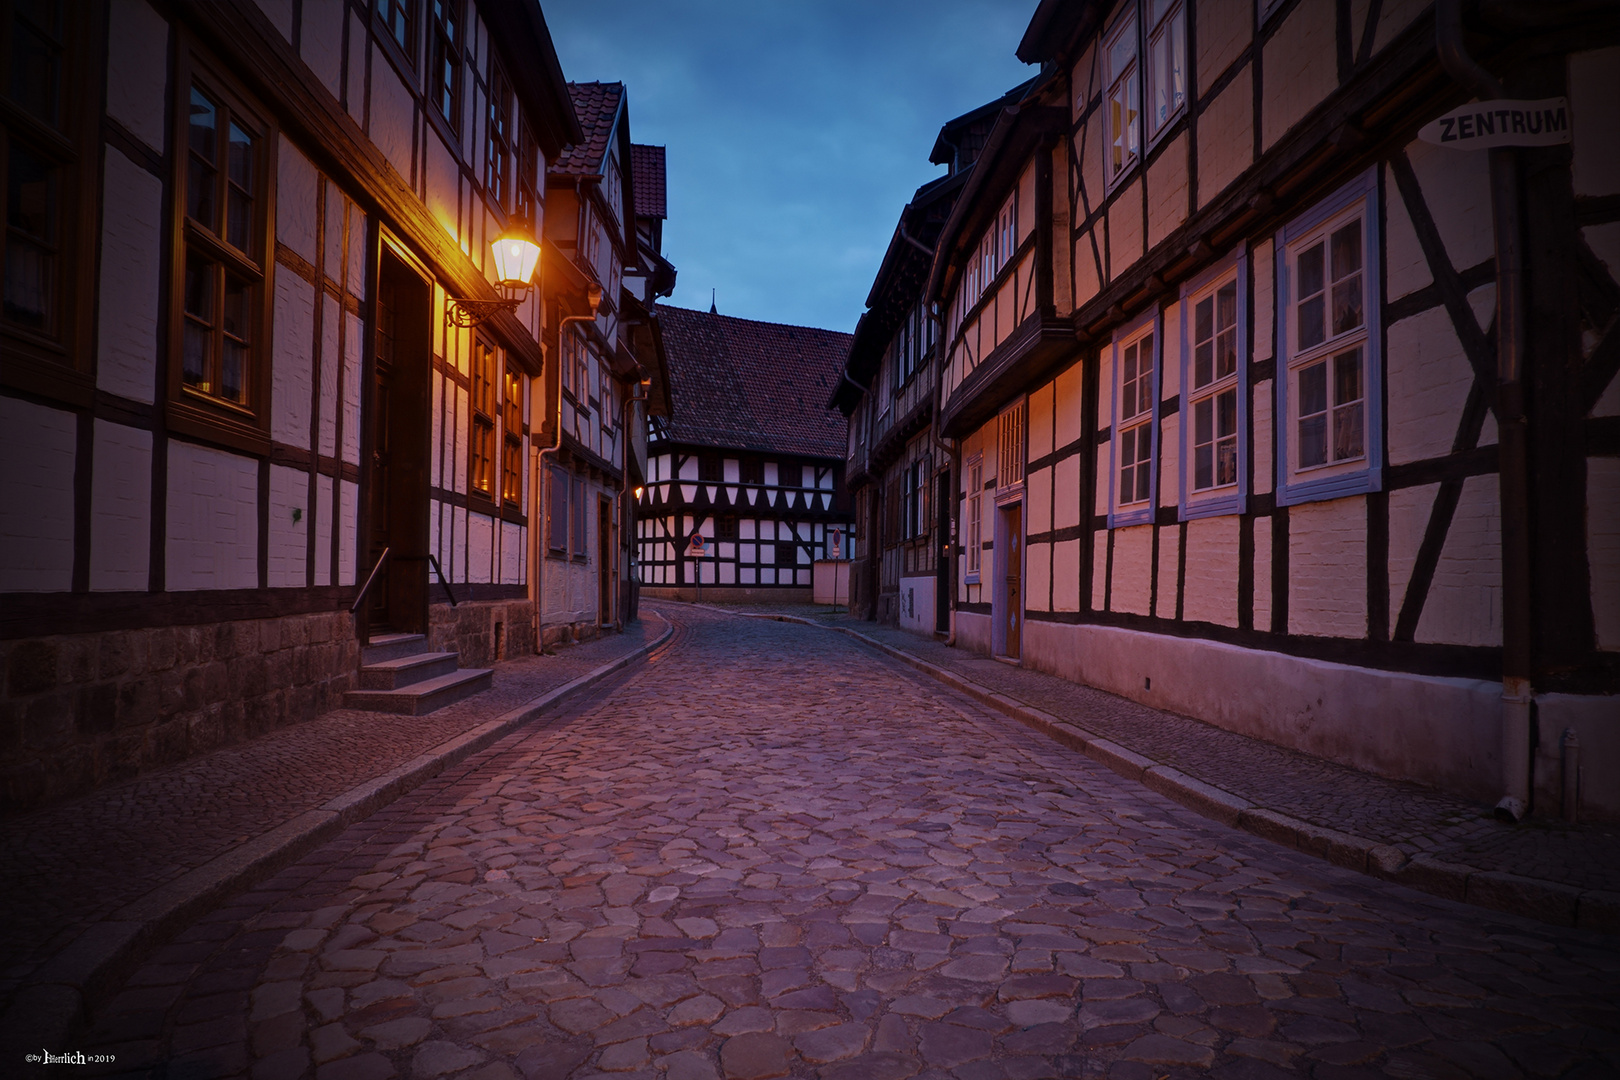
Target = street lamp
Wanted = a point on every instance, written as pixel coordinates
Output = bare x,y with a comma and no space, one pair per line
515,257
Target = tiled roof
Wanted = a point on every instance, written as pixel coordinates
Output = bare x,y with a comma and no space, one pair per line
596,104
748,385
647,177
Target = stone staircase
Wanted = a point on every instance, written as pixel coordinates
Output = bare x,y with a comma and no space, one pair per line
399,675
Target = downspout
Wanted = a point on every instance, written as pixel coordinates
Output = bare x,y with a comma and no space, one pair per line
594,295
1512,447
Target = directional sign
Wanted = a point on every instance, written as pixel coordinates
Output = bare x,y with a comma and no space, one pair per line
1501,123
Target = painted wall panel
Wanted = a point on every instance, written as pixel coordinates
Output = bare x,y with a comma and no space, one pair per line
213,519
291,367
289,539
137,69
1224,30
127,322
1594,104
297,197
1167,191
1300,70
1125,229
1603,547
121,509
1133,569
321,44
1327,561
36,503
1212,571
1464,605
1226,137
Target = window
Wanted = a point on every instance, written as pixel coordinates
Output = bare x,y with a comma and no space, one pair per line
498,136
1329,395
1214,371
481,451
1010,448
576,507
1124,96
975,515
1167,63
512,440
444,65
398,19
557,526
222,252
1135,426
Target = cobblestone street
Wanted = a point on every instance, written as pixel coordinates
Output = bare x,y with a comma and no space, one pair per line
768,851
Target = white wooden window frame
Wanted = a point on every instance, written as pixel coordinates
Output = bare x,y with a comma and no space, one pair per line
1136,512
1122,85
974,539
1357,475
1229,498
1165,44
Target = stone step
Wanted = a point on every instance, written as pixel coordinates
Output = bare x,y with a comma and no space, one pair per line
391,647
423,697
406,670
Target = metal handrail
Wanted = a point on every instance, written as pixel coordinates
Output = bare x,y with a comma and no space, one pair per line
360,599
443,582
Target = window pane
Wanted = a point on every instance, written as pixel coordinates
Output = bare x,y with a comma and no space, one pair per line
36,64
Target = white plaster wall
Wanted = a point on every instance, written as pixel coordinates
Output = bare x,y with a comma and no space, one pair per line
324,511
1594,102
1212,571
348,504
297,185
1133,569
289,539
213,519
1226,137
1603,547
126,344
137,69
321,43
1464,606
291,369
392,113
1439,731
121,509
37,447
1327,564
1457,188
917,596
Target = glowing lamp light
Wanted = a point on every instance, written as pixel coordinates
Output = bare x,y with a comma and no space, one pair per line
515,259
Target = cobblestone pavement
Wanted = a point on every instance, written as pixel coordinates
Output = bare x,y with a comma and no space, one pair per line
769,851
149,831
1416,819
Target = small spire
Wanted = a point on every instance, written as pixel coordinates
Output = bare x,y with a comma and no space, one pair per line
712,309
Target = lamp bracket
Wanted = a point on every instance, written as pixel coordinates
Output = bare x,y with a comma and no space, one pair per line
461,311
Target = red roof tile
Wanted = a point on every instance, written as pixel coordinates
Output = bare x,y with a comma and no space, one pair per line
647,177
748,385
596,104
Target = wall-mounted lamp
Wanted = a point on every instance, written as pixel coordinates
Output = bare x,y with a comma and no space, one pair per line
515,258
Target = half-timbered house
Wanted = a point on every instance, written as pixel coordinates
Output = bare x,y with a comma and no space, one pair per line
1272,412
263,400
745,484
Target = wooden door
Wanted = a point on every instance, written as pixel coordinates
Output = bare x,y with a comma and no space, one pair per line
1013,612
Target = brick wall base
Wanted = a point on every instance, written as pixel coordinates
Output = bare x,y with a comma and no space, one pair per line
78,711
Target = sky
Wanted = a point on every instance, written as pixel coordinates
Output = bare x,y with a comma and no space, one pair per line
796,130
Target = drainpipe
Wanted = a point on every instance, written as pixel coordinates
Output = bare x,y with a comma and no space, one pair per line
1513,451
594,296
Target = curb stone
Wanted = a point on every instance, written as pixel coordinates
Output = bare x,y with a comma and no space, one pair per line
54,1003
1531,898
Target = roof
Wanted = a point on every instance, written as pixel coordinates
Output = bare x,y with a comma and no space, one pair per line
597,106
647,177
747,385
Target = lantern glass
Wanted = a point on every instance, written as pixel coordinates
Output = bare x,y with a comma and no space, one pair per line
515,259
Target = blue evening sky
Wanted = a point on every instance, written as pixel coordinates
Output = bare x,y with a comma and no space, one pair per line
796,131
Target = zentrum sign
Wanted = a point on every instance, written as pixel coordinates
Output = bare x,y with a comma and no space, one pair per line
1501,123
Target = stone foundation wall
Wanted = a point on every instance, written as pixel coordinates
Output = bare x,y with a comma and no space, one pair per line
483,631
78,711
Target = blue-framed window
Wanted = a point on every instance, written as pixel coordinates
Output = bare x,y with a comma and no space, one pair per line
1214,414
1330,363
1134,438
